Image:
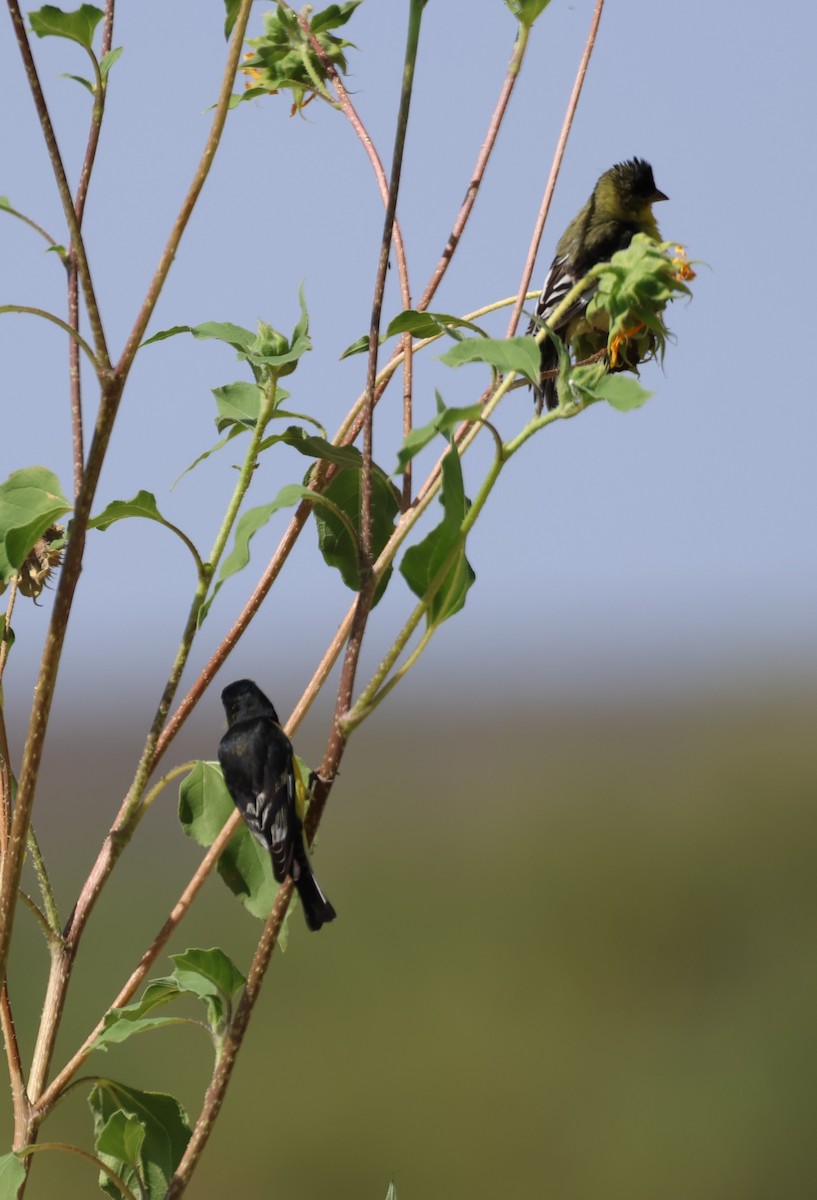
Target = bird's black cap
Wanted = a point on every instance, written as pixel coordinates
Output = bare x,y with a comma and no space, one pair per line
636,176
244,699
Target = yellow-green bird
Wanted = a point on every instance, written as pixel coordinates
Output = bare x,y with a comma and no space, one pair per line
619,208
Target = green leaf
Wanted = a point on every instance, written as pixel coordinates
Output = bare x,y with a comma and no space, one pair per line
579,385
238,404
6,203
232,7
78,26
446,419
207,974
337,546
166,1134
143,505
6,633
122,1138
213,977
235,430
30,502
204,807
318,447
246,868
423,562
526,11
265,350
284,57
427,324
204,803
108,60
519,354
12,1176
122,1023
418,324
221,331
248,525
224,331
359,347
86,83
622,392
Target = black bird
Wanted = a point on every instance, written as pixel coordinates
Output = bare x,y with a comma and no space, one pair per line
257,764
619,208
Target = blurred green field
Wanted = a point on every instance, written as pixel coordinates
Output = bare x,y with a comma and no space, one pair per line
575,958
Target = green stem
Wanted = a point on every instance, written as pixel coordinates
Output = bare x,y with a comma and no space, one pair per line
377,687
91,1158
46,891
55,320
13,212
165,780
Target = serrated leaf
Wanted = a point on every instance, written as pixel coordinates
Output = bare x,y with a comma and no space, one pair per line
519,354
31,501
166,1134
78,26
422,563
12,1176
204,807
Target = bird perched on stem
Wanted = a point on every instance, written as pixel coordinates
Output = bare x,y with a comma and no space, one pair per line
261,776
619,208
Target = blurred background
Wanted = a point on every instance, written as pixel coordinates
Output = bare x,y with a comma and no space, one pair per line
572,855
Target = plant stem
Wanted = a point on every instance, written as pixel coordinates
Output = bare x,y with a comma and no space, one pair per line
555,167
64,190
55,320
495,124
19,1098
231,1044
189,202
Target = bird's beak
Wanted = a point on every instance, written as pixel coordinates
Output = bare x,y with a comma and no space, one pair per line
656,196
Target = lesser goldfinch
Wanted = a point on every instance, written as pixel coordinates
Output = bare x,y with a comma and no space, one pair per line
619,208
258,767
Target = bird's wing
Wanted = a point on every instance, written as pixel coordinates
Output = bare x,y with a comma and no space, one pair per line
256,759
560,279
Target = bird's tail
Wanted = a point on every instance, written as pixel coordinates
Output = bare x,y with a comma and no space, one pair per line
317,909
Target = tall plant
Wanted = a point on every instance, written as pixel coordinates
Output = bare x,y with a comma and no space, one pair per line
367,516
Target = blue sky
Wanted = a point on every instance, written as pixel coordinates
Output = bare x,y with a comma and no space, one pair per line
665,544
